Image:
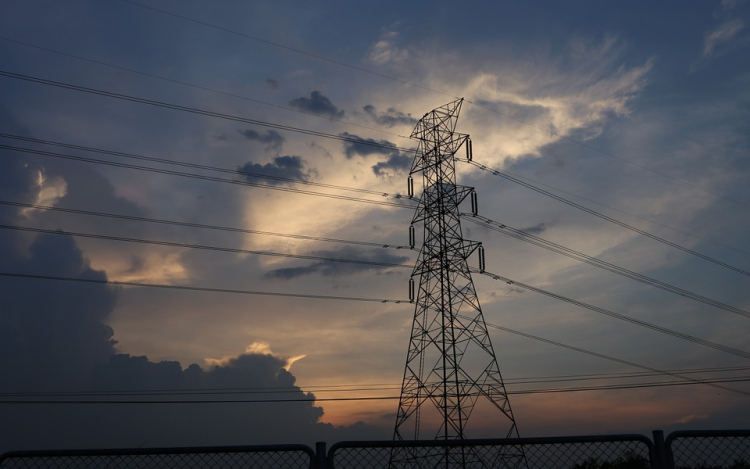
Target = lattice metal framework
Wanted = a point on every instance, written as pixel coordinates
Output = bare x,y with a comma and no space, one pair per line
450,365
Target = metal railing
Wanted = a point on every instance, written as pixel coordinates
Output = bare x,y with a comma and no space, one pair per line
726,449
239,457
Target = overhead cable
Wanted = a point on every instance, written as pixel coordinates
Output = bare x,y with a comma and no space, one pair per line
609,358
203,112
201,166
193,85
597,309
203,247
291,49
192,288
711,381
621,317
573,254
477,104
203,177
200,225
604,217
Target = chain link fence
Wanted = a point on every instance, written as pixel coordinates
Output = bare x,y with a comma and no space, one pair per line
242,457
726,449
588,452
719,449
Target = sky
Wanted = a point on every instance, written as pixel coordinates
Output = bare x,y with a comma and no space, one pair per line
637,111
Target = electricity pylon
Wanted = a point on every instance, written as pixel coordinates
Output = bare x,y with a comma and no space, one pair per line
450,366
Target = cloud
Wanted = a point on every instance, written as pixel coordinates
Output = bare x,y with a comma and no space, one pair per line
395,162
723,33
51,332
577,99
386,51
256,348
287,167
272,139
537,229
718,41
731,4
317,103
330,268
273,83
389,118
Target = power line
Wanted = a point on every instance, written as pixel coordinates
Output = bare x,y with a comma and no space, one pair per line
200,166
610,358
739,379
202,112
629,214
554,247
246,292
481,106
190,288
192,85
203,247
202,177
604,217
621,317
663,330
598,150
333,388
291,49
201,225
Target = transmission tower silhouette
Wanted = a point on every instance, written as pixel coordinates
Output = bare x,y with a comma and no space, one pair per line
451,370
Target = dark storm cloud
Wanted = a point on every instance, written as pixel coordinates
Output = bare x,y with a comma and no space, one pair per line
51,333
395,161
389,118
366,146
329,268
317,103
272,139
537,229
288,167
398,163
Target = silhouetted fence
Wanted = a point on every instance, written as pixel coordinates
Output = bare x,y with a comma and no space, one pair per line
708,449
229,457
727,449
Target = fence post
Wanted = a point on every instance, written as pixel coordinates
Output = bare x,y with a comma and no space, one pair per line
321,461
660,458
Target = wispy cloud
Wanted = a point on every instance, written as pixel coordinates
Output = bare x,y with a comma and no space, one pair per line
718,41
386,50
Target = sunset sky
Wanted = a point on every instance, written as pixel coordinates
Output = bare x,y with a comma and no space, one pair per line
638,111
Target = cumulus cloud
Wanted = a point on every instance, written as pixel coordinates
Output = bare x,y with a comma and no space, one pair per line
283,167
272,139
389,118
51,333
256,348
394,163
317,103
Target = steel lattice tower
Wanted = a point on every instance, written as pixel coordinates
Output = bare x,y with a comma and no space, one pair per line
450,366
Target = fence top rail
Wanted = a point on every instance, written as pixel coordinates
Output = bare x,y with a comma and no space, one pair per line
158,451
705,434
549,440
708,433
